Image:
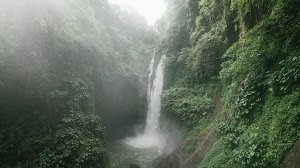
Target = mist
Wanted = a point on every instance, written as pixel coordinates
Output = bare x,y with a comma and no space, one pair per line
71,80
149,83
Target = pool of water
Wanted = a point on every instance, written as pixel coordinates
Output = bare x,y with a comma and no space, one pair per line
122,154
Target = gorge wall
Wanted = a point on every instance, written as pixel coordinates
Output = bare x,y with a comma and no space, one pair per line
247,54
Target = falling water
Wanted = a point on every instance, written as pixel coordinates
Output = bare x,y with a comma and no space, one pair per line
150,144
145,84
151,136
149,79
154,102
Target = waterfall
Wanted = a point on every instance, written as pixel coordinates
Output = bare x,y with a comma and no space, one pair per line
151,136
154,99
149,79
145,82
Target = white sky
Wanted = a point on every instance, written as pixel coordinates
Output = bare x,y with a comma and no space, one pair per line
150,9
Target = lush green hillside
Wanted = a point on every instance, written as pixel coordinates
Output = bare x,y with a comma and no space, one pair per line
59,60
246,52
70,78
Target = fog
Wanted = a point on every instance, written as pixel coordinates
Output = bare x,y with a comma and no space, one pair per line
152,10
73,71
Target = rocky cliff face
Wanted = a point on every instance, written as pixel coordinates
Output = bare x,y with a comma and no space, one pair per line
292,158
248,48
182,159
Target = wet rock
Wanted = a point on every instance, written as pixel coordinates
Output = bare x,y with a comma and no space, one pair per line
292,158
182,159
134,166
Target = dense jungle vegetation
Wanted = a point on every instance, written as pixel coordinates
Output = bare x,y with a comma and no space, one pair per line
70,79
246,53
64,64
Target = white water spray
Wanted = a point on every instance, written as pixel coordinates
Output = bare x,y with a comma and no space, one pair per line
154,104
152,136
149,78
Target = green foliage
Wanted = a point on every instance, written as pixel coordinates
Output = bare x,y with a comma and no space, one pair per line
191,140
265,120
253,48
216,158
210,11
77,140
250,98
173,27
251,12
262,49
57,59
205,63
285,80
264,142
210,32
188,105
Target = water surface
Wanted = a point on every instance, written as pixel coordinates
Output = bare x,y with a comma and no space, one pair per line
122,154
